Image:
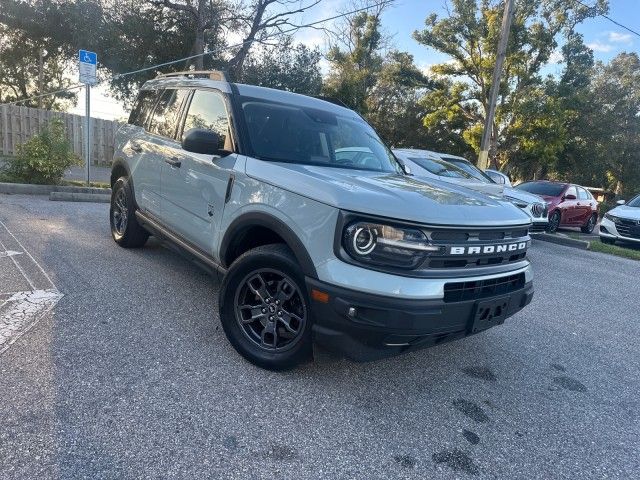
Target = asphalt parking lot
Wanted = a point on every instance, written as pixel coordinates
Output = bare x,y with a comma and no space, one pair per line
123,371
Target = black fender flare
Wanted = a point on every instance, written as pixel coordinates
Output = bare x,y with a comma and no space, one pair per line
261,219
117,163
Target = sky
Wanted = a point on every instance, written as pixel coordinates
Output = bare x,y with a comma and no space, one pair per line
406,16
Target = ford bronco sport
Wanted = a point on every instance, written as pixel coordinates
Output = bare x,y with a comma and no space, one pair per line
318,232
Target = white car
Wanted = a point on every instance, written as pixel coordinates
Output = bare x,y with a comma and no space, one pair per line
622,222
458,170
498,177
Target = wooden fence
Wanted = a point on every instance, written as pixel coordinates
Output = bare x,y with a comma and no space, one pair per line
18,124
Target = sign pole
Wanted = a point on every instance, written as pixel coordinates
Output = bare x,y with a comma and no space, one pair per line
88,134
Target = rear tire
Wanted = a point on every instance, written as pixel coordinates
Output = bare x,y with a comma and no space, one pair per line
590,225
554,222
265,309
125,229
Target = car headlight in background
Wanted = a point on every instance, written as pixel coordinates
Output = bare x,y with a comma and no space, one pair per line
539,210
518,203
380,244
610,217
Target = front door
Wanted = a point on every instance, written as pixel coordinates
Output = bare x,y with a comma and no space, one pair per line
194,186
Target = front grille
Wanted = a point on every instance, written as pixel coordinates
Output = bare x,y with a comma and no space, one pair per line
536,228
470,238
627,228
462,291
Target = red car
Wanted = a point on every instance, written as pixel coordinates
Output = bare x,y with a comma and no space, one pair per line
569,205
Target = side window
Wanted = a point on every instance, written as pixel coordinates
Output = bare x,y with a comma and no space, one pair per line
142,108
583,194
207,111
571,191
167,113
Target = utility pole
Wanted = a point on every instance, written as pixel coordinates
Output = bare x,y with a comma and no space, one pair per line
483,159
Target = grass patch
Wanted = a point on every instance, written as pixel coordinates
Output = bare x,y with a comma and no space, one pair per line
620,251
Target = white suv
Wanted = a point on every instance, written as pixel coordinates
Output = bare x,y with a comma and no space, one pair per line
311,244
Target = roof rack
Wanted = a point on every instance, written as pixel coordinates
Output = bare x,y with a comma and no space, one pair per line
219,75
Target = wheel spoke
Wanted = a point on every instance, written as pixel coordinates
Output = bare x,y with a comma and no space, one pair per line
269,335
284,291
290,321
256,313
260,289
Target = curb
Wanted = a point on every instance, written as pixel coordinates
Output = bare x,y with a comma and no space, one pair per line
566,241
29,189
80,197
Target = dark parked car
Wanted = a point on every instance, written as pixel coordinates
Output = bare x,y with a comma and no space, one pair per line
569,205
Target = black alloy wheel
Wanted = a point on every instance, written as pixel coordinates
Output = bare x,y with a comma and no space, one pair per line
270,310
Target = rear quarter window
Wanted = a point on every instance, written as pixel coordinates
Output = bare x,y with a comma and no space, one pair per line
142,107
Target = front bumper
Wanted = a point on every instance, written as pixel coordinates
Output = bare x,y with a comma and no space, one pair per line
538,225
364,326
608,230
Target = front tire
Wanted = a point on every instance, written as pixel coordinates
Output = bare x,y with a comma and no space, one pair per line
265,309
591,224
554,222
125,229
607,240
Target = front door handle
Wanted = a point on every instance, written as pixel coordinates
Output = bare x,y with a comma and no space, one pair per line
136,147
174,162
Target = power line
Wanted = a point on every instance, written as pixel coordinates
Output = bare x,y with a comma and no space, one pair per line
609,18
241,44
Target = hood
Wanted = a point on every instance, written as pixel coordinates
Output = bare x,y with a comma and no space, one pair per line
624,211
389,195
523,196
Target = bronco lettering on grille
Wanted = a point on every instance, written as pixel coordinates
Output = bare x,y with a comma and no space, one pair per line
488,249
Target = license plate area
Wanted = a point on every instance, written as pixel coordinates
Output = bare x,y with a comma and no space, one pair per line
490,313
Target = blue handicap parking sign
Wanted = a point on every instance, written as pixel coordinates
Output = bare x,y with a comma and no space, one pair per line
88,57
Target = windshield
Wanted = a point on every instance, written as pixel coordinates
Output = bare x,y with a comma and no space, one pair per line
471,169
295,134
542,188
440,168
634,202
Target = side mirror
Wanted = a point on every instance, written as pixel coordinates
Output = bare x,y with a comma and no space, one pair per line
200,140
621,202
571,196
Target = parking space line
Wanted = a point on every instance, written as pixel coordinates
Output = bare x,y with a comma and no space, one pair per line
13,259
20,311
29,255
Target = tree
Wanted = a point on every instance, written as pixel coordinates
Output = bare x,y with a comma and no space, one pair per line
384,86
469,35
616,90
285,66
20,71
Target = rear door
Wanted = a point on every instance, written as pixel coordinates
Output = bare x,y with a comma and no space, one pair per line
194,192
570,212
583,206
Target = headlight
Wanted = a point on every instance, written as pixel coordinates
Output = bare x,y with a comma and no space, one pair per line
518,203
610,217
538,210
380,244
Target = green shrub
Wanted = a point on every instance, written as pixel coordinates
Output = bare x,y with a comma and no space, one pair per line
43,158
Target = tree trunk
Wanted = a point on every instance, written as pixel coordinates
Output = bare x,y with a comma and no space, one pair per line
198,48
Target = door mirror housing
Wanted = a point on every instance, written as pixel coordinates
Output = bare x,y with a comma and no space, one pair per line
621,202
200,140
571,196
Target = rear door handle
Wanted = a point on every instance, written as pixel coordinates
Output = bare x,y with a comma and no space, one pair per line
174,162
136,147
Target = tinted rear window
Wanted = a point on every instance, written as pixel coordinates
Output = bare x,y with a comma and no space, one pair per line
143,106
548,189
